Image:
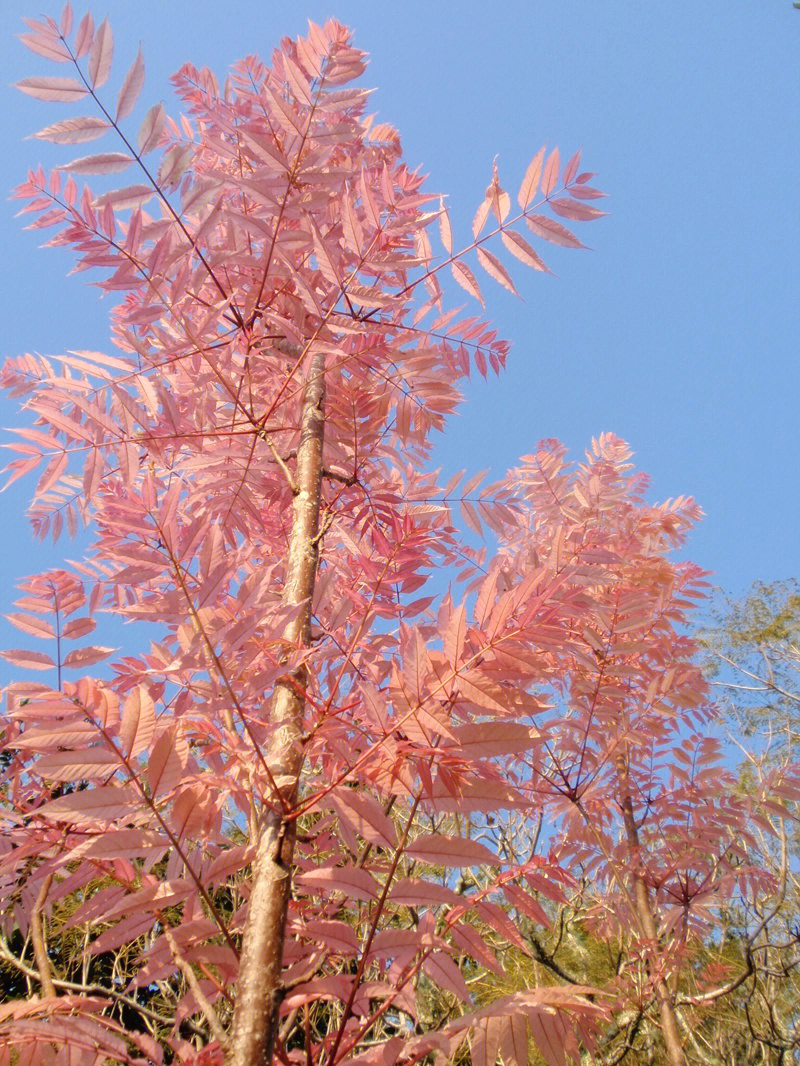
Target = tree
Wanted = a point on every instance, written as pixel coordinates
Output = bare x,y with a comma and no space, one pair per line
629,773
754,660
253,821
754,663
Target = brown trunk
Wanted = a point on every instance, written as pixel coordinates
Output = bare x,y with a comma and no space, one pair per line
258,988
38,941
644,913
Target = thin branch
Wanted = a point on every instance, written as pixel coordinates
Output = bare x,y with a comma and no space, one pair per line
38,941
191,979
95,990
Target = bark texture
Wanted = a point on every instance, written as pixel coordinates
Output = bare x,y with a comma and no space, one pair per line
258,989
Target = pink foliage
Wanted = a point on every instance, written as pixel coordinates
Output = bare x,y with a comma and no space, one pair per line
279,230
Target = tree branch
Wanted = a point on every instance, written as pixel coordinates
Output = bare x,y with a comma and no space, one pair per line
191,979
37,939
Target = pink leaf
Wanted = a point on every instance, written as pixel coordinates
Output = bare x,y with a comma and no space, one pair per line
371,209
550,176
175,161
466,279
450,851
63,90
65,24
483,740
107,803
82,657
485,1042
101,55
498,197
78,627
471,517
74,130
337,935
389,942
131,87
366,816
574,209
138,722
335,986
50,48
483,692
441,969
229,862
105,163
415,891
480,218
553,231
519,247
52,472
122,844
28,660
29,623
167,762
298,83
514,1041
47,28
525,903
131,196
492,265
530,183
586,192
548,1035
469,940
83,38
351,227
77,765
49,218
455,636
348,879
571,169
151,129
469,486
125,932
445,232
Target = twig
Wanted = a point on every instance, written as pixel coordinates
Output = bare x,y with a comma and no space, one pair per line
95,990
281,463
191,979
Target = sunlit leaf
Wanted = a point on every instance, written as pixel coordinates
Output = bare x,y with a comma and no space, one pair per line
466,279
105,163
64,90
131,87
101,54
530,183
74,130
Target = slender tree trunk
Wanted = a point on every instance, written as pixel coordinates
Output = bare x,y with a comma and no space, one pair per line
258,988
38,941
644,912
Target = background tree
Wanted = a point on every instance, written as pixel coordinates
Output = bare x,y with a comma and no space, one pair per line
754,663
632,789
754,647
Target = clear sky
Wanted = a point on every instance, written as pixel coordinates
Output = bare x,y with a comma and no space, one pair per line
680,331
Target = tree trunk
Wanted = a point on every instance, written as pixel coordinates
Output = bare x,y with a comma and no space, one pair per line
38,941
644,913
258,988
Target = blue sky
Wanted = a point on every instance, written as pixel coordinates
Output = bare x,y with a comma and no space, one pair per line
680,331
